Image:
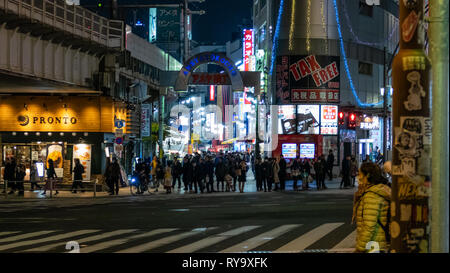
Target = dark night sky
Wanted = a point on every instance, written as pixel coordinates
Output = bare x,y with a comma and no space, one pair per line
221,19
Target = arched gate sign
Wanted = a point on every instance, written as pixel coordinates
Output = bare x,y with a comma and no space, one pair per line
209,57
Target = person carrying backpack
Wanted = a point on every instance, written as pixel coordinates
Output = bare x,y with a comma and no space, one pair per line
371,209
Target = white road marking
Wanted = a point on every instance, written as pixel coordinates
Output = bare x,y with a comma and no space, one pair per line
8,232
112,243
25,236
348,242
47,239
260,239
83,240
160,242
211,240
309,238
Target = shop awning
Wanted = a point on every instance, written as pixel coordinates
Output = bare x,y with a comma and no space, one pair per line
12,84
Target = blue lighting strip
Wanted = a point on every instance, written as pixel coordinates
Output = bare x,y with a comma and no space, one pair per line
347,70
275,37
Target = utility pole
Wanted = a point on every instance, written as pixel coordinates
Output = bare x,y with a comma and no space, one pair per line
411,161
385,104
438,33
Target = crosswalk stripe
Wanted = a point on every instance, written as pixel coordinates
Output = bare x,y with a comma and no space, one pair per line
112,243
25,236
212,240
260,239
309,238
160,242
8,232
83,240
47,239
348,242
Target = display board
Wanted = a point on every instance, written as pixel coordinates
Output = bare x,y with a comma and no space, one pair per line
307,150
308,119
328,119
84,153
289,150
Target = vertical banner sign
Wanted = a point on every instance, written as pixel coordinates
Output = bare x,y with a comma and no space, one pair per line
411,161
145,120
83,153
168,25
282,77
212,95
248,49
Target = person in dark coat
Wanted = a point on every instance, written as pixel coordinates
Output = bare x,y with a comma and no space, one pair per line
20,176
209,166
330,163
187,174
282,173
115,176
305,168
345,172
34,176
10,174
258,174
77,171
198,175
235,171
320,173
270,174
221,171
176,173
243,177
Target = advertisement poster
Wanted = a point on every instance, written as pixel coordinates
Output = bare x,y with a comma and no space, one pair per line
307,150
329,119
286,120
308,79
83,152
168,25
55,153
308,118
289,150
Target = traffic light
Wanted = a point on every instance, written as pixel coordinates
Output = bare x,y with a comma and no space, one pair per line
351,120
99,4
341,118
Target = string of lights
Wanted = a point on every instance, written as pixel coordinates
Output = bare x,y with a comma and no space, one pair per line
292,27
308,27
275,37
359,41
347,70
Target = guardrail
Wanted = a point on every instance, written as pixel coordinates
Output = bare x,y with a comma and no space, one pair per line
52,185
71,18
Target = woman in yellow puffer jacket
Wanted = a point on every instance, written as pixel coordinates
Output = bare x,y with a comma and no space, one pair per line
370,208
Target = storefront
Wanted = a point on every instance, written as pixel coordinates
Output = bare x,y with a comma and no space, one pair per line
61,128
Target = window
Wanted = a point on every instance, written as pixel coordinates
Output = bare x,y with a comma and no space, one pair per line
365,68
365,9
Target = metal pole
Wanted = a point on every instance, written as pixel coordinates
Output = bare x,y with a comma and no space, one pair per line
95,187
411,121
385,103
51,188
5,187
438,30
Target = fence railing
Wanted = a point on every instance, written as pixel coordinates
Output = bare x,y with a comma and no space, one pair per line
50,185
71,18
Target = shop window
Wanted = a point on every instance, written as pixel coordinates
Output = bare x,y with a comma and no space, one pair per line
365,68
365,9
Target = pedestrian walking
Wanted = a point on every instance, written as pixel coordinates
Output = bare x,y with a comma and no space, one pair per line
187,174
115,177
258,173
51,178
243,177
77,171
345,172
305,173
160,174
330,163
282,173
235,171
371,208
268,170
168,178
320,173
209,166
34,177
20,176
197,177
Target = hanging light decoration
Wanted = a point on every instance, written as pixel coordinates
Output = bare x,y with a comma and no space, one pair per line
275,37
324,25
292,28
308,27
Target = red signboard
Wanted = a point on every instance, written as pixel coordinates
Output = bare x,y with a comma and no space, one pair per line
248,49
211,93
210,79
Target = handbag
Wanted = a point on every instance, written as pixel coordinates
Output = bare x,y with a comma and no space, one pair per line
310,179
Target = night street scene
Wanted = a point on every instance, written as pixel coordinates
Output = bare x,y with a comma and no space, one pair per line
224,131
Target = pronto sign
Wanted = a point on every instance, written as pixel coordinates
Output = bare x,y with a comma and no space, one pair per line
205,58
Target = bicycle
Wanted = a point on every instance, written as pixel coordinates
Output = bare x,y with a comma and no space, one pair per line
137,188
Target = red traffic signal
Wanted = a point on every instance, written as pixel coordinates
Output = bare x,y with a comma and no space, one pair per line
351,120
341,118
